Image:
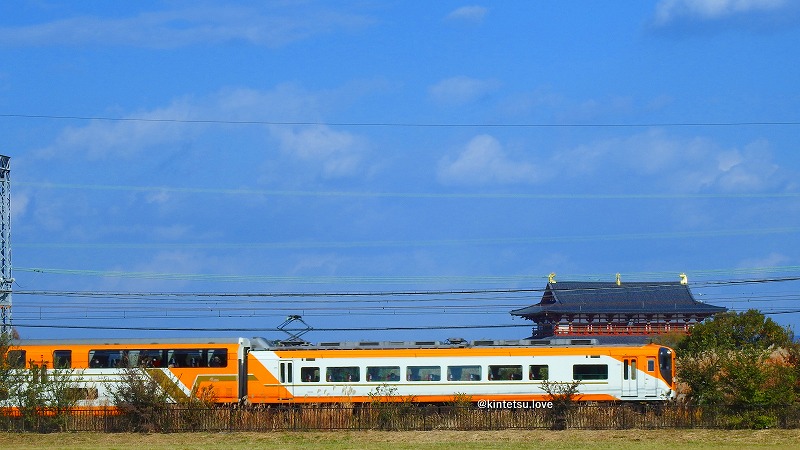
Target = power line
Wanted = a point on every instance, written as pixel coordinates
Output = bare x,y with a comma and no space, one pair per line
400,124
285,279
212,305
420,195
182,305
327,294
418,243
472,279
386,293
325,329
400,304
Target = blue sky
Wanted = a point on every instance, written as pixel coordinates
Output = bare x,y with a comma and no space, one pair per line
414,152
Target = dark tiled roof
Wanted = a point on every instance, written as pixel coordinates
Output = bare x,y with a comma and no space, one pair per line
576,297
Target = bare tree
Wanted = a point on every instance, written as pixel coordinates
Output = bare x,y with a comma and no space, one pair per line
564,397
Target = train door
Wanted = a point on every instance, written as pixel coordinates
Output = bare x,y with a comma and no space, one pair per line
630,378
243,376
286,370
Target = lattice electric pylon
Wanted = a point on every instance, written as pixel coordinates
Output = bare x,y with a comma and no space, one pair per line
6,280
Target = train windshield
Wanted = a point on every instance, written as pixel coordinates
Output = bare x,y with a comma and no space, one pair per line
665,364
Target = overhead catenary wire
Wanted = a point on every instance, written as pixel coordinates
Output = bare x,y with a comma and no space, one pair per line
321,329
420,195
391,306
343,279
398,124
320,304
118,306
384,293
130,313
406,244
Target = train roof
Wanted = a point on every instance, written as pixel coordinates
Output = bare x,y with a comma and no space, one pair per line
263,344
260,343
129,341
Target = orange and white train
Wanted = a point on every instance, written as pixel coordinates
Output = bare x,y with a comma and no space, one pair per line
260,372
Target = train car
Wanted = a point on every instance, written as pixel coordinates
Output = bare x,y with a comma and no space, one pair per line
433,372
264,372
182,367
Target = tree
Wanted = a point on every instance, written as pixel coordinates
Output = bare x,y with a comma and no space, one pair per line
141,400
733,331
43,398
6,368
563,398
741,361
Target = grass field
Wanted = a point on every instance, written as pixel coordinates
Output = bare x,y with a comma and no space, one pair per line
462,440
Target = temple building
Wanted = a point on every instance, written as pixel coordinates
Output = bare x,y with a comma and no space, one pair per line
575,308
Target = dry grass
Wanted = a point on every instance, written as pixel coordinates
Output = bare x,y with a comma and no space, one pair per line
571,439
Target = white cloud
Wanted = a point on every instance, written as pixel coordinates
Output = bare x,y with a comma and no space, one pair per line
471,13
652,161
750,169
668,11
184,123
195,25
483,161
159,196
461,90
19,204
772,260
337,153
682,165
132,135
51,216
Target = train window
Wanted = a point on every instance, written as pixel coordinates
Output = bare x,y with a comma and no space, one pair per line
186,358
137,358
16,359
218,357
191,357
423,373
286,372
651,364
129,358
215,357
105,358
665,364
633,369
62,359
309,374
497,373
464,373
590,372
148,358
343,374
538,372
383,373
